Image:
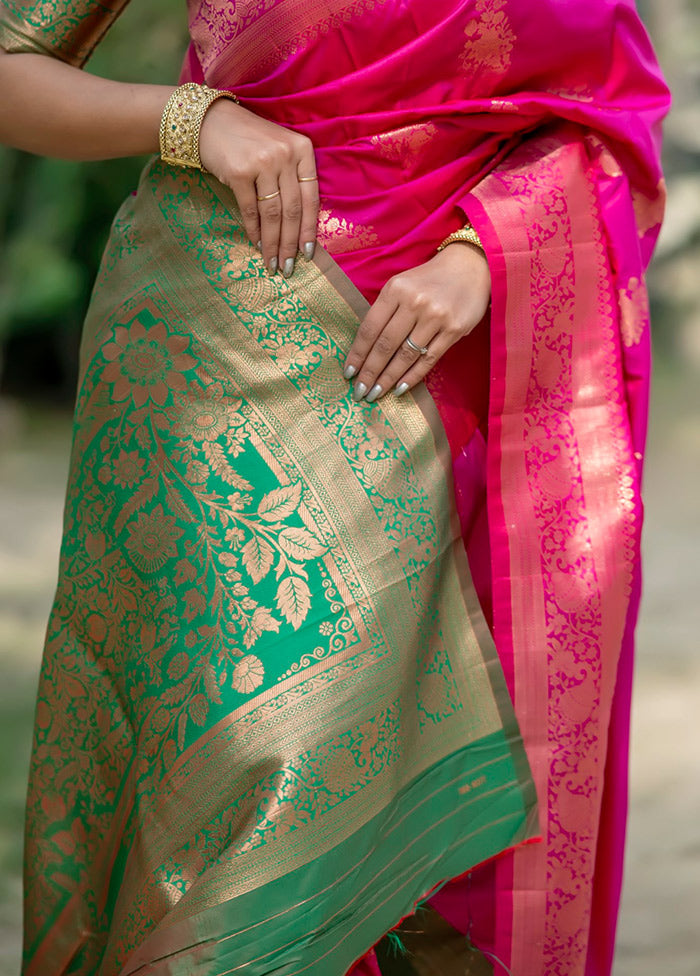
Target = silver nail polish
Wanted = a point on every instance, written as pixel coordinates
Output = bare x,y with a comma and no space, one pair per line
358,391
375,392
349,371
309,249
259,245
288,270
273,265
401,389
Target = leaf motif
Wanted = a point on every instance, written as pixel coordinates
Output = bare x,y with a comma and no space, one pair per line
184,571
217,458
199,709
169,754
95,543
176,694
137,417
260,621
143,437
263,620
161,720
73,687
195,604
148,638
124,599
177,506
161,419
293,600
257,558
299,543
211,683
280,503
65,841
181,728
177,668
141,497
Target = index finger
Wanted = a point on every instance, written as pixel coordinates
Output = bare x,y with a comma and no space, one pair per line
370,328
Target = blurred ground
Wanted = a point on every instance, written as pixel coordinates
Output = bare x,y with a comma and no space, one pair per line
659,925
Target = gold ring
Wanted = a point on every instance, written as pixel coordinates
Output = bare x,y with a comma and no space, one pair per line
269,196
421,350
307,179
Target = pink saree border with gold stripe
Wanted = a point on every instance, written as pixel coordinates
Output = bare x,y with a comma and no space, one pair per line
564,518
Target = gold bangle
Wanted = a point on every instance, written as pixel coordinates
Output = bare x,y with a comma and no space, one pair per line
182,121
466,234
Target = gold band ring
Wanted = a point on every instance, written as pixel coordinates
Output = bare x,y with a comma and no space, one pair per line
421,350
307,179
269,196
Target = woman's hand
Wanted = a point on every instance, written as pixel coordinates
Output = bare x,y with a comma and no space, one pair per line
272,171
434,305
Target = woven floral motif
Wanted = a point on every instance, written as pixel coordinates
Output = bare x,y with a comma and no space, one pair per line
211,601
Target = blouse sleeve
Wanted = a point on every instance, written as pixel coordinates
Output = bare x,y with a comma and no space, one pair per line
65,29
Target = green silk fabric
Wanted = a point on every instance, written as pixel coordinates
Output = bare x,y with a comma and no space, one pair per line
271,717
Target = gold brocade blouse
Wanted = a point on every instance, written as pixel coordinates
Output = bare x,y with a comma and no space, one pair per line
65,29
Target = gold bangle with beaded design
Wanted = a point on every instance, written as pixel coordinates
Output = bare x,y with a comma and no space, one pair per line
182,121
466,234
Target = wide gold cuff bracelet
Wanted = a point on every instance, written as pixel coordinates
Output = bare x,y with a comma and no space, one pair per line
466,234
182,121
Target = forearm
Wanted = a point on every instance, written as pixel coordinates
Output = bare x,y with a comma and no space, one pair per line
52,109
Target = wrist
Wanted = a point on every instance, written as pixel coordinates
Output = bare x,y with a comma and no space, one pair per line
466,261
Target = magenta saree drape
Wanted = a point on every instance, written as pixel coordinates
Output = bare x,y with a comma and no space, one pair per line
541,124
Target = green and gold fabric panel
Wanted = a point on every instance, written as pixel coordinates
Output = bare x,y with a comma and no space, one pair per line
65,29
265,645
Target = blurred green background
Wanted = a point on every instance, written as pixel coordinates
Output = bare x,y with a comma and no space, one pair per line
54,221
55,216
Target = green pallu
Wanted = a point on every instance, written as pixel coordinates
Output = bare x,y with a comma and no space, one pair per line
271,717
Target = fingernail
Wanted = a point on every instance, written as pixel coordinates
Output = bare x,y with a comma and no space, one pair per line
349,371
358,391
374,393
288,268
273,265
309,249
259,245
401,389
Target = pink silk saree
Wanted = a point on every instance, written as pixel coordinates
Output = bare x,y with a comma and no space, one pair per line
542,126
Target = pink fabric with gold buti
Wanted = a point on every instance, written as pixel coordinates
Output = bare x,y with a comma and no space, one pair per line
541,124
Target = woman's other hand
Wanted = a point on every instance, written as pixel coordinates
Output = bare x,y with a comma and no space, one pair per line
272,171
433,305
